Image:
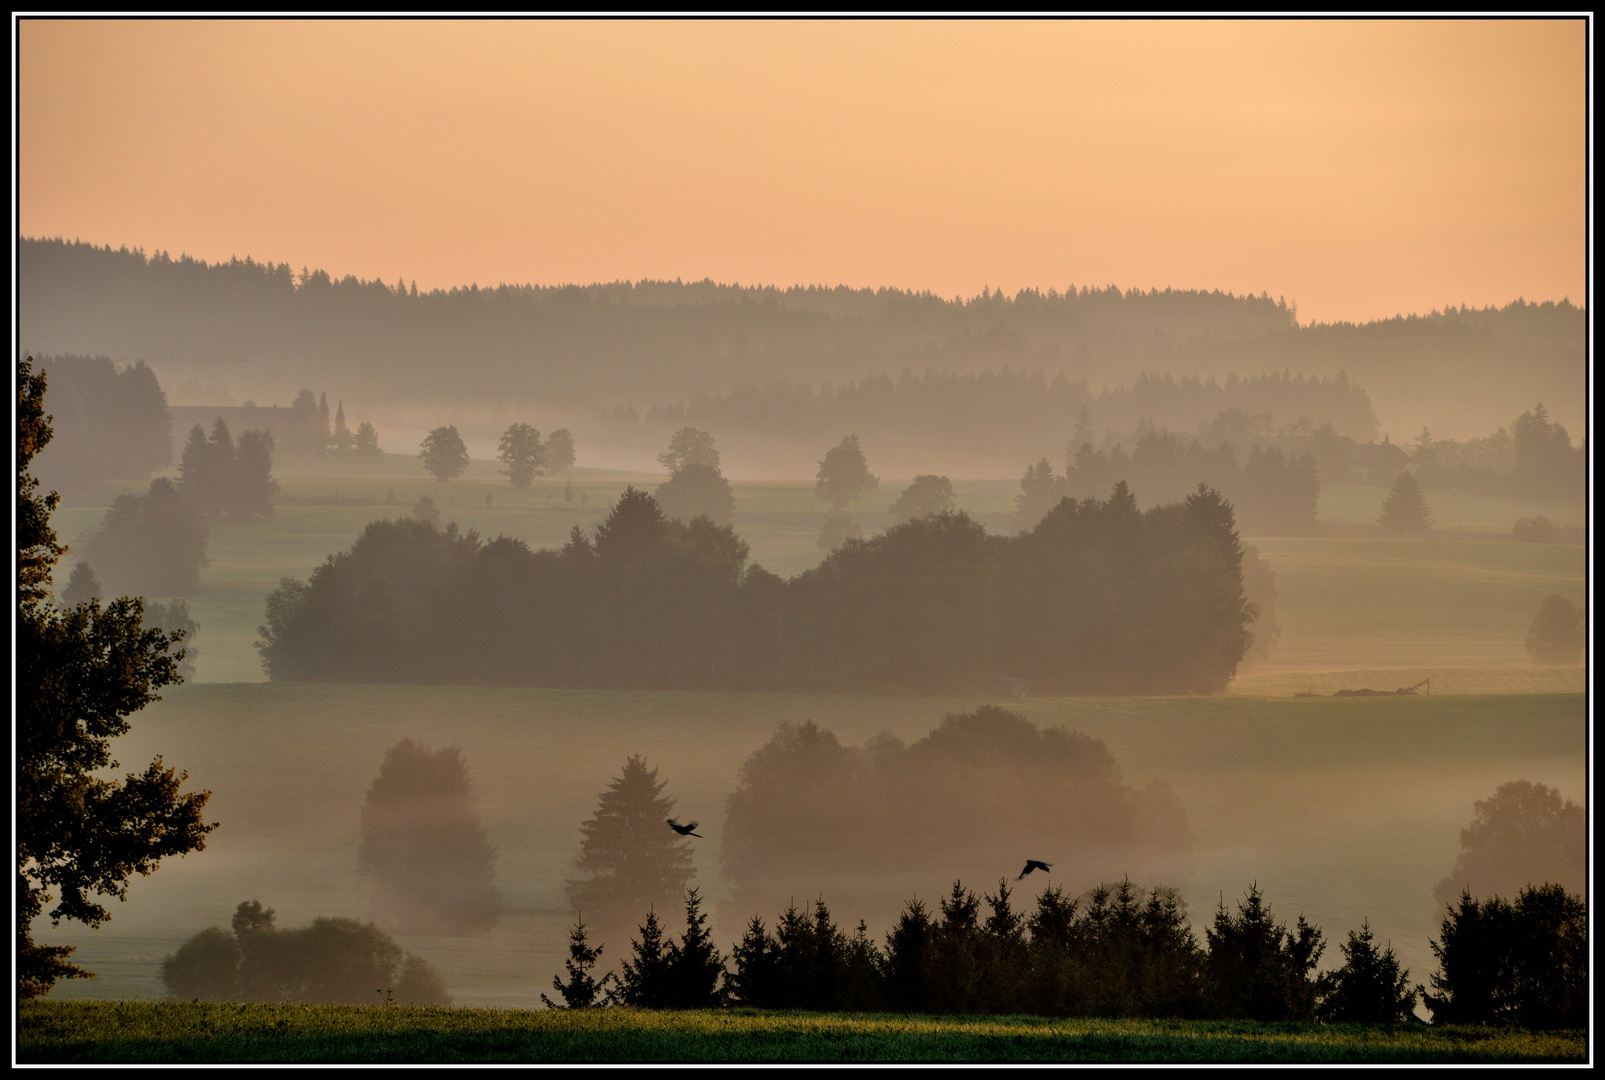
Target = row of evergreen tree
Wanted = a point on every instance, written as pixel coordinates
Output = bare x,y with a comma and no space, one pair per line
216,475
1119,951
1098,597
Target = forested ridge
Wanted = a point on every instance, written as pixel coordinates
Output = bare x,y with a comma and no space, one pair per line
673,339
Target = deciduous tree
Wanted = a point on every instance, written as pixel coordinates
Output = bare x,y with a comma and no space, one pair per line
520,450
844,474
444,454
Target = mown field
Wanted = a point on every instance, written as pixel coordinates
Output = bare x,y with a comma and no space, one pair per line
1340,808
84,1032
1461,598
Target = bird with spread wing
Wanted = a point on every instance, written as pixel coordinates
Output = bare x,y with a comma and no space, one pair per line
686,829
1033,864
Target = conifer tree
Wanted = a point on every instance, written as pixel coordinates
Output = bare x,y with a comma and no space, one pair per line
366,443
645,980
1370,987
341,438
581,991
1405,509
629,858
694,961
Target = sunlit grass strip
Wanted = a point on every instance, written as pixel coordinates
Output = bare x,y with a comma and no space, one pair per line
93,1031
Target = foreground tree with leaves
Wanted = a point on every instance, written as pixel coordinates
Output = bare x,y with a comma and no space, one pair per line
80,673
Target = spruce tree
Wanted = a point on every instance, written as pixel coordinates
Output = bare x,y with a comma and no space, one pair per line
694,962
1405,509
629,858
645,980
581,991
1370,987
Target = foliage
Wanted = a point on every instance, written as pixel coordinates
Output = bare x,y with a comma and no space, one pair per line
174,618
1370,987
520,450
1520,835
629,858
1558,634
79,673
443,453
1040,491
426,511
690,446
979,781
82,585
1259,589
1524,963
559,450
365,444
110,425
1405,508
218,477
838,528
582,991
330,961
1546,461
844,474
645,980
423,845
1257,969
1099,598
152,544
697,490
926,495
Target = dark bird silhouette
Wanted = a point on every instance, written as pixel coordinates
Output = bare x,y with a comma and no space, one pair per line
1033,864
684,830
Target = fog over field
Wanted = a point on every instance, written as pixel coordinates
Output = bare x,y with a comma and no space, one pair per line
684,534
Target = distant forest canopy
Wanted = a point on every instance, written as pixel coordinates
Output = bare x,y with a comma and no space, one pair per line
1098,598
569,346
1008,416
111,424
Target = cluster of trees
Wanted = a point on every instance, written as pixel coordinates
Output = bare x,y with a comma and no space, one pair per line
330,961
1099,597
174,617
80,673
110,425
150,545
216,476
423,847
310,434
1522,833
445,455
696,486
1534,458
945,803
1118,951
1273,494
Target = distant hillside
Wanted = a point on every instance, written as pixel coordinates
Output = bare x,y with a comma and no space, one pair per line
657,343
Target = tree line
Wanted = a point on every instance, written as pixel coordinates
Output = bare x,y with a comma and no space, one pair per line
1099,597
111,424
1534,458
296,326
1117,951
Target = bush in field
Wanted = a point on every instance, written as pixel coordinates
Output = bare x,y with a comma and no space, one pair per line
1557,634
1522,834
1524,963
1534,530
430,859
333,961
1370,987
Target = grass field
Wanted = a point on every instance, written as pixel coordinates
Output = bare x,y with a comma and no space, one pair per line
1460,598
1340,808
83,1032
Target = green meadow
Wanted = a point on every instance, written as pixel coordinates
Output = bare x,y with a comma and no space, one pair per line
94,1032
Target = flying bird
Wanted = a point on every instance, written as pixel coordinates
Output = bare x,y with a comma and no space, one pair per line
684,830
1033,864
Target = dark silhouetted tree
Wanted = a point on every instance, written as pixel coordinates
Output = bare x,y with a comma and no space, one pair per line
1256,969
521,451
844,474
174,618
1522,834
1557,634
583,990
926,495
695,966
1040,491
559,449
1370,987
646,979
430,859
443,453
340,437
253,488
1520,964
629,858
79,674
1405,508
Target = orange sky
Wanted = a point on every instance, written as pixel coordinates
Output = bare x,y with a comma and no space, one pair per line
1359,168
